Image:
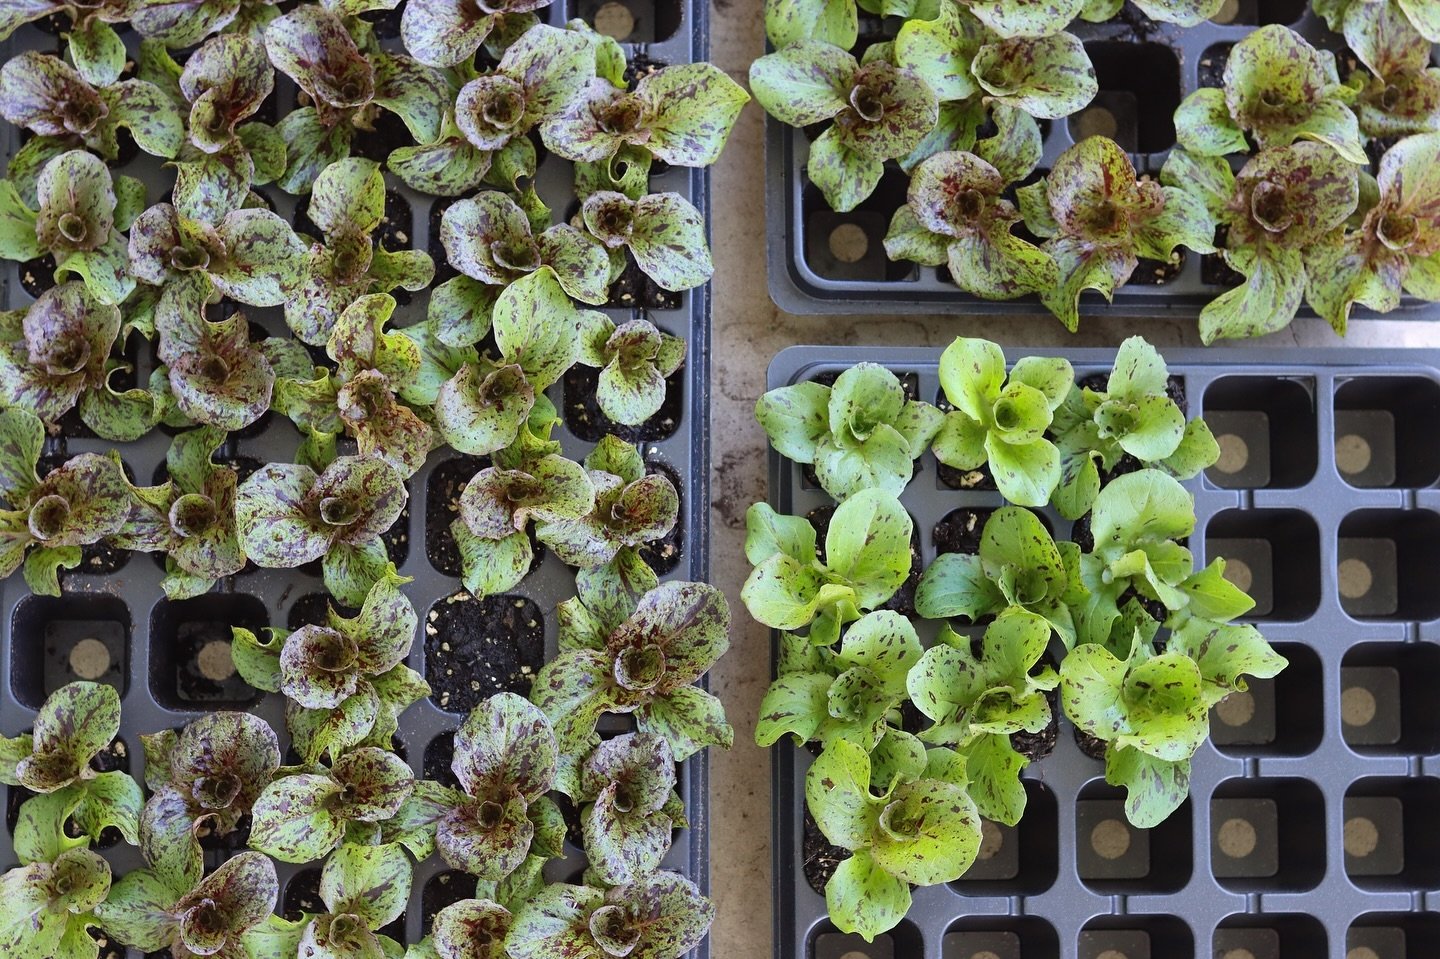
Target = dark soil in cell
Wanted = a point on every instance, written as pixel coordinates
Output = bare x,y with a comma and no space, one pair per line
397,537
109,949
1089,745
443,890
443,269
302,895
1036,746
376,144
475,648
976,479
633,289
38,275
436,764
1212,65
235,840
662,555
1154,607
586,420
574,827
821,857
442,506
1080,534
312,609
1174,387
1158,272
385,22
1216,272
639,67
960,530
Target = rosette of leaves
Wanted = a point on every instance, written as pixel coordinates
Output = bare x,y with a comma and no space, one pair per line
488,237
1278,89
662,232
347,203
496,509
155,909
978,693
288,515
1351,18
364,888
876,112
862,433
305,814
1401,94
922,828
866,559
345,682
68,109
623,655
81,502
1285,208
203,780
185,23
632,507
540,72
90,29
634,360
73,725
49,907
628,786
79,219
1133,416
1002,422
336,61
1018,566
1396,248
821,694
55,355
446,33
1100,219
468,929
662,916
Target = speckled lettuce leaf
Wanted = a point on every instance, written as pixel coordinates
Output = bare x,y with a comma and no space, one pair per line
49,906
481,409
75,722
488,238
845,176
1048,78
1154,788
218,377
310,146
804,83
261,259
80,502
449,167
689,111
371,883
302,818
311,46
1187,13
663,915
320,732
940,51
663,231
828,21
56,351
1026,18
149,115
417,94
16,15
535,327
444,33
635,358
224,81
629,782
471,929
540,73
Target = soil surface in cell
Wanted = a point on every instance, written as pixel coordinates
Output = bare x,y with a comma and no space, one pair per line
586,420
476,648
821,857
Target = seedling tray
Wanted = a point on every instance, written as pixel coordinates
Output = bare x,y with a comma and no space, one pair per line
170,660
1309,830
826,262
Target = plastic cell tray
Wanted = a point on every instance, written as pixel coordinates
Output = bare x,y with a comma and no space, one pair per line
826,262
114,624
1309,830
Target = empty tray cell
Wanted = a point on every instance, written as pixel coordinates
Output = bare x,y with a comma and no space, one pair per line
1396,935
1390,836
1259,13
1385,431
1250,541
1136,936
475,648
1114,857
993,937
1266,429
54,641
442,507
1270,937
1386,559
1017,860
632,21
190,662
1267,834
441,890
960,530
1387,698
1139,91
902,942
1284,716
851,246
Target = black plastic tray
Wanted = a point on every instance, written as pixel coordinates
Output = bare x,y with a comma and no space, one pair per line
1144,75
126,609
1300,768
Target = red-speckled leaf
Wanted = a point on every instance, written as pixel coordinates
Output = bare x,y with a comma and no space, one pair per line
81,502
374,784
487,237
471,929
535,326
622,844
489,838
417,94
22,437
56,350
552,65
372,882
220,763
77,203
689,718
47,96
317,732
310,146
225,81
891,110
319,668
452,166
940,50
295,819
804,83
311,46
505,743
348,197
73,725
1048,78
242,891
1292,196
149,115
358,497
691,109
481,412
443,33
1267,301
689,621
262,258
17,225
140,911
1026,18
1187,13
270,511
461,309
668,241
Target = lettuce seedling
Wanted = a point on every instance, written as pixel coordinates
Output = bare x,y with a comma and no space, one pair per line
203,780
628,786
632,507
185,23
662,916
49,907
153,909
877,112
73,725
288,516
634,360
1355,20
1396,248
79,220
867,558
1100,220
338,65
1285,207
468,929
305,814
623,655
663,232
57,353
1018,566
347,203
978,694
346,682
1187,13
824,695
1002,423
862,433
364,888
496,508
81,502
488,237
923,828
445,33
1278,89
1401,94
1133,416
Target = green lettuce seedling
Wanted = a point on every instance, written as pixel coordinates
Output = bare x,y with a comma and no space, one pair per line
631,807
1357,18
662,916
305,814
48,908
364,888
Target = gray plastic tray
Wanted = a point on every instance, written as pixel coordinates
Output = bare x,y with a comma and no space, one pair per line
127,610
1144,70
1333,759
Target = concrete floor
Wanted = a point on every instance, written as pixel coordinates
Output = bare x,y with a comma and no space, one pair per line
748,331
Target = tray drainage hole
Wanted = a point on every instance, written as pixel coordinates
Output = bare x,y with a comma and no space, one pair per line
1357,707
1355,578
1110,839
215,661
1362,952
1236,710
1095,122
614,20
1238,954
1234,454
1237,838
1238,572
1362,837
1352,454
992,841
90,659
849,242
